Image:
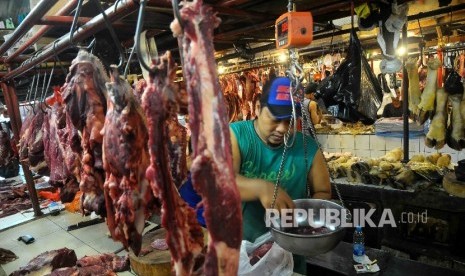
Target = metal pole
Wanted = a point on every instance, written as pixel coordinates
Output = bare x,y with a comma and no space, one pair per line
97,24
63,11
405,111
11,102
39,10
31,187
61,20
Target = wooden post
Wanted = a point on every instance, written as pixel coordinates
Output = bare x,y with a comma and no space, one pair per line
11,101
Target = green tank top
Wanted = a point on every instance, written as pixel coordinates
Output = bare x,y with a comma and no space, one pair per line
259,160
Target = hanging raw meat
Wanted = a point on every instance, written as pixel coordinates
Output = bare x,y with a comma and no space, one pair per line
128,196
85,100
426,106
7,154
31,146
456,131
212,171
414,93
56,148
139,89
436,136
353,89
185,237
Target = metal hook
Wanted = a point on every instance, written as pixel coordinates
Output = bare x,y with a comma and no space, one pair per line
139,26
177,14
126,69
42,93
48,85
33,87
90,47
32,104
57,58
75,19
30,91
112,33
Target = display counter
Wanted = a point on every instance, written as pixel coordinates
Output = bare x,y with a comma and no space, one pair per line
428,223
339,262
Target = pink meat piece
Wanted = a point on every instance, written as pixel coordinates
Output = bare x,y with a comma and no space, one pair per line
159,244
108,261
84,94
128,196
212,170
185,237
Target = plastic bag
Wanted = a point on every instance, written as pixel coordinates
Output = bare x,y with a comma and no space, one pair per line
275,262
353,87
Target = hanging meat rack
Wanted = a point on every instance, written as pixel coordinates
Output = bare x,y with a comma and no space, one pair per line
119,10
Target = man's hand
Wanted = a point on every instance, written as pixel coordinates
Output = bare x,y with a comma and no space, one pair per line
283,200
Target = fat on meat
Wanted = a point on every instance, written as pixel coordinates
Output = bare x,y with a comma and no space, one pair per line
212,170
57,151
177,146
128,196
85,100
184,234
31,146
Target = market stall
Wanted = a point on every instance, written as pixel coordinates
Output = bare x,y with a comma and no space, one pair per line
134,126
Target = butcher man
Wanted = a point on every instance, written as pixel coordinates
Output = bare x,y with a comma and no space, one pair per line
257,147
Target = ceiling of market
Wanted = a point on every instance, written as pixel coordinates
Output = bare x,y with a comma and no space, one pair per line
246,32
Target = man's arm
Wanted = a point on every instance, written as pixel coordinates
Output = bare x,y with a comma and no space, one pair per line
254,188
318,177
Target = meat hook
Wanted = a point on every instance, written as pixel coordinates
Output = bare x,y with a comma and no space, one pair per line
177,14
44,96
30,90
75,19
35,94
421,44
57,58
112,33
42,93
126,69
139,26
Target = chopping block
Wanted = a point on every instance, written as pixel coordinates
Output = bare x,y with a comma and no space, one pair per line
157,262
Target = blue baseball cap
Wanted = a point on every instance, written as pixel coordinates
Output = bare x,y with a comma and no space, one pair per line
277,97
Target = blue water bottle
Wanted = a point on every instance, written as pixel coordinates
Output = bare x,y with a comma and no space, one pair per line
359,245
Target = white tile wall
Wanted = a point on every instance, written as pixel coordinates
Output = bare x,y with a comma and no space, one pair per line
323,140
454,157
461,155
414,144
362,153
377,153
347,142
422,145
392,143
377,143
362,142
446,149
334,142
372,146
